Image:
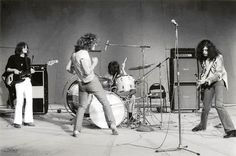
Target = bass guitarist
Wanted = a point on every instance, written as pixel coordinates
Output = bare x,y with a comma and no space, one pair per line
213,80
19,67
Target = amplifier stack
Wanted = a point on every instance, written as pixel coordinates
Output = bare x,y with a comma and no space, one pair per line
188,69
40,89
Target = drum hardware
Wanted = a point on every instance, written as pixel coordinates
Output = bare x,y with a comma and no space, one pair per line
142,126
123,45
136,113
160,82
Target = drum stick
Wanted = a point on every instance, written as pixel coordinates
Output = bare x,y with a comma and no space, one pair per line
125,59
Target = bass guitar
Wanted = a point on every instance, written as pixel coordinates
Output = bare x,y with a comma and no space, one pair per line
11,78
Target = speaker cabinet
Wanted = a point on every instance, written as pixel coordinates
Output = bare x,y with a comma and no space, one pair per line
188,66
187,70
187,73
188,94
40,89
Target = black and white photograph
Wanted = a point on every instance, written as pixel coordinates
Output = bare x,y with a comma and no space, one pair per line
117,77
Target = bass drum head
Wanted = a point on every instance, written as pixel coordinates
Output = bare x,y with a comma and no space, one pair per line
97,114
71,96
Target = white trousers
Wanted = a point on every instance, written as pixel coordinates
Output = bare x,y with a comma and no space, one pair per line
23,90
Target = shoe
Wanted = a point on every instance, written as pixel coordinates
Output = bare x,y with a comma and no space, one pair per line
75,133
132,120
10,104
28,124
198,128
16,125
114,130
230,134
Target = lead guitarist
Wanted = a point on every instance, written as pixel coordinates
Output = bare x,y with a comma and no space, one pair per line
18,64
213,80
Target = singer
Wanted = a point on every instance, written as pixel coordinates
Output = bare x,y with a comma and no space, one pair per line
214,82
82,65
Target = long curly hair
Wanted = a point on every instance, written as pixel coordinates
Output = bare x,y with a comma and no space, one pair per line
114,68
213,52
86,42
19,47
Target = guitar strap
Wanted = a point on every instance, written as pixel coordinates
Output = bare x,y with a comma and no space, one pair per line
26,63
208,70
27,67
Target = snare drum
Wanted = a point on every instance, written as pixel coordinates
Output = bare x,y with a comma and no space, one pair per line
97,114
125,84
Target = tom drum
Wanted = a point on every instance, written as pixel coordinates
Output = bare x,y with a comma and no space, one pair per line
125,85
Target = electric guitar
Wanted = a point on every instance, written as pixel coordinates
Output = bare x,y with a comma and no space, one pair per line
204,76
11,79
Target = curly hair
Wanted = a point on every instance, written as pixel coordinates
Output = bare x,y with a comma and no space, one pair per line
114,68
213,52
19,47
86,42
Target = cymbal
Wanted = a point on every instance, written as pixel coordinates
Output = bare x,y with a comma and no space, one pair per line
140,67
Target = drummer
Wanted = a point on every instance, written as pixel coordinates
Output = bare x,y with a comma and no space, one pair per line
115,72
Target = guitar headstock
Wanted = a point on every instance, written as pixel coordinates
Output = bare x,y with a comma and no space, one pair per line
52,62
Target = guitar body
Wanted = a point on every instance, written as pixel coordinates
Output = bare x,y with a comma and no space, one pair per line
9,79
12,78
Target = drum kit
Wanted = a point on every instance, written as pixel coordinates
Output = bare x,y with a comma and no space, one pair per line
116,95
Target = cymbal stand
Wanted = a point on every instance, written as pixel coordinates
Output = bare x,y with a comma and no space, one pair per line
143,127
160,82
180,147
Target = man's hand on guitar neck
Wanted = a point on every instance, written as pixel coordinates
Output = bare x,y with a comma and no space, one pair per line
32,70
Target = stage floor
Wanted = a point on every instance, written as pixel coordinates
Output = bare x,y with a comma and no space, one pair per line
52,136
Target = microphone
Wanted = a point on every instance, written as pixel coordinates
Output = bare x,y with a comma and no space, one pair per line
95,51
106,45
174,22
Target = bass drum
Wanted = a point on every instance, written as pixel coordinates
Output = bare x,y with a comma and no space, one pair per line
97,114
71,96
94,110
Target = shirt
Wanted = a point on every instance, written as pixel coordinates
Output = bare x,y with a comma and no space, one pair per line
217,71
81,62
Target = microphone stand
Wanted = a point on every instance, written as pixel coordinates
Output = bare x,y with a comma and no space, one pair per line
180,147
